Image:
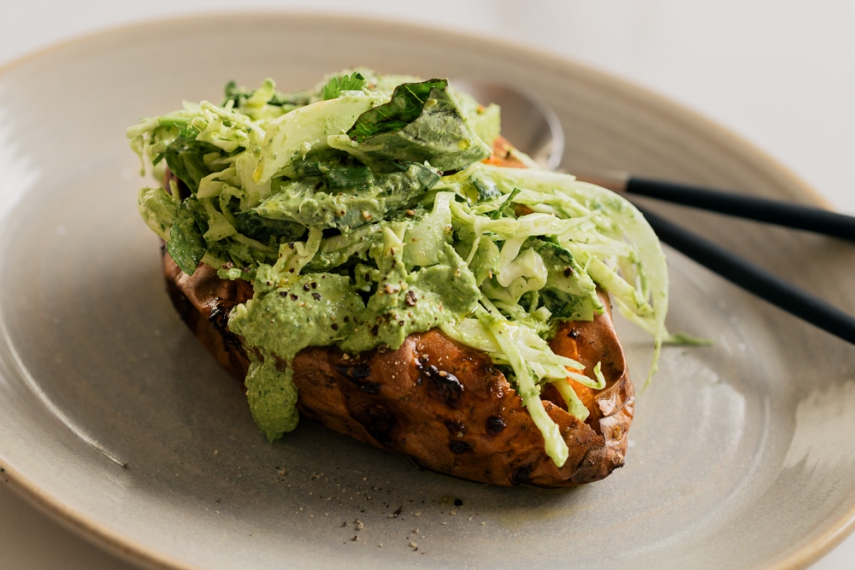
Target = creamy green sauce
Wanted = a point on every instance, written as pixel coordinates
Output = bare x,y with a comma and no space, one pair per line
272,397
298,201
313,310
322,309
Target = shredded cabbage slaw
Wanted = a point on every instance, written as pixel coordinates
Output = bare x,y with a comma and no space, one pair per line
280,187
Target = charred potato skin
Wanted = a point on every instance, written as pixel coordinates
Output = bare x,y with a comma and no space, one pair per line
443,404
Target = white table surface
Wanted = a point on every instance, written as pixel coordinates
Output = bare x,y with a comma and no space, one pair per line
781,73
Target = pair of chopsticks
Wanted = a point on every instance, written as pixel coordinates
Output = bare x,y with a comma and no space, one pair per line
750,277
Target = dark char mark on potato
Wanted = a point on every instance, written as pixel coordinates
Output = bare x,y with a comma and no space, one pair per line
455,427
377,419
495,425
358,374
521,474
220,319
444,386
459,447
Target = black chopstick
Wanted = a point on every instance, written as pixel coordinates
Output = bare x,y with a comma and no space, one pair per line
754,279
786,214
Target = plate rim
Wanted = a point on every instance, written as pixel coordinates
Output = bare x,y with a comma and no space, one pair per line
131,550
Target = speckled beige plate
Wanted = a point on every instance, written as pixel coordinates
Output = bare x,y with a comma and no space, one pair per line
114,418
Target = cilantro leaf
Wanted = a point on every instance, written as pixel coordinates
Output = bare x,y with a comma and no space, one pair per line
352,82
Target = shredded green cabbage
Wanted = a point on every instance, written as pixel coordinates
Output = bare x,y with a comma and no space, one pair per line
347,180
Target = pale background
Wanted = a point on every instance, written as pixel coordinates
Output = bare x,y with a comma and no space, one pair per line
780,73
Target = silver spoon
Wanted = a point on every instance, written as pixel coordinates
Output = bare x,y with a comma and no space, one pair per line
530,125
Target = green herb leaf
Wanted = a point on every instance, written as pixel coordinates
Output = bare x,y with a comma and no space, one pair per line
408,101
186,245
264,230
421,123
352,82
185,158
356,178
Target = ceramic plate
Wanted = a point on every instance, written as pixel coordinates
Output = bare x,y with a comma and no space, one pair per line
115,419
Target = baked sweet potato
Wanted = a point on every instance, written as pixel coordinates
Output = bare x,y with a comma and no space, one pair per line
442,403
445,404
